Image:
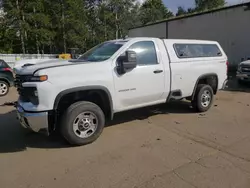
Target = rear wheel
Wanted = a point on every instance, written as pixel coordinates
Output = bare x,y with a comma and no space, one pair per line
203,98
82,123
4,88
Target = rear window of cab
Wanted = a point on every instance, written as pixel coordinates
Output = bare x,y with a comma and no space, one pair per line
197,50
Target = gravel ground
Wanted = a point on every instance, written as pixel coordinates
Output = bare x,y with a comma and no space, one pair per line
162,146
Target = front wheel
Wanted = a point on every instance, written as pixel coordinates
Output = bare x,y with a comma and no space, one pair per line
203,98
82,123
4,88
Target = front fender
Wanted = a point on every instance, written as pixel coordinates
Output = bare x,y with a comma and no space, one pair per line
84,88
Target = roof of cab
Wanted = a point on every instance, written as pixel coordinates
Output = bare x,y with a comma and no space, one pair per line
192,41
167,40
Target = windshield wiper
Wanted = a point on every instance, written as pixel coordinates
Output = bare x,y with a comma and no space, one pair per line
77,60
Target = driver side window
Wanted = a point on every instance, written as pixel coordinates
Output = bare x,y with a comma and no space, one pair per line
145,52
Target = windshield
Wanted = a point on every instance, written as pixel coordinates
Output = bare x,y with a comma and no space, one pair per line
102,51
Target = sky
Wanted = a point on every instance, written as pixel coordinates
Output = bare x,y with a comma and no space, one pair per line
173,4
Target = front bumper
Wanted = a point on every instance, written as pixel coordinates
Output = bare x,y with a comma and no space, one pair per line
37,122
243,76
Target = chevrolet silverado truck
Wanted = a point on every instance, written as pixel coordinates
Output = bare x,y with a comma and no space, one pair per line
76,97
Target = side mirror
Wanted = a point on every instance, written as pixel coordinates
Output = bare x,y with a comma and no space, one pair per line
127,62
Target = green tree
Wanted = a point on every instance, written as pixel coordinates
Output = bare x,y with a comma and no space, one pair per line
115,17
15,23
38,26
6,36
191,10
181,11
208,4
125,14
44,26
75,24
153,10
26,25
67,26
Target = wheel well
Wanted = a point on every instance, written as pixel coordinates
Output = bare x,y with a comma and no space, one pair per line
98,96
211,80
5,80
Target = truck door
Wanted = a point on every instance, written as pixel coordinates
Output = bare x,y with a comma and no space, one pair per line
143,85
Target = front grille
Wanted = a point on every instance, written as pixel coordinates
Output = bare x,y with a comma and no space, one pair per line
20,79
26,94
23,92
245,68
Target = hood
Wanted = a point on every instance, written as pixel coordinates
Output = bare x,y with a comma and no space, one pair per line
245,62
22,62
29,67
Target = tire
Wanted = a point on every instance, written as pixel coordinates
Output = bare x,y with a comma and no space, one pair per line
203,92
73,126
4,88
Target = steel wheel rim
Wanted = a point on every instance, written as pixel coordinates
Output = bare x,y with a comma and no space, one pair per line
206,98
3,88
85,124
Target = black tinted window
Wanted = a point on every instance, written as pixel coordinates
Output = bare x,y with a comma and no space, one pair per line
3,64
197,50
145,52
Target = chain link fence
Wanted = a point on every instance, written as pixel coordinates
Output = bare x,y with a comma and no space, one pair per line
11,59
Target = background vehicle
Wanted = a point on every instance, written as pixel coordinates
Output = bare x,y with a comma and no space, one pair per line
243,72
6,78
74,54
76,97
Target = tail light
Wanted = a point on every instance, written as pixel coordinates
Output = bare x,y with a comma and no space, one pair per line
227,63
7,69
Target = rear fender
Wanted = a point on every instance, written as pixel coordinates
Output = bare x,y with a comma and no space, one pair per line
203,77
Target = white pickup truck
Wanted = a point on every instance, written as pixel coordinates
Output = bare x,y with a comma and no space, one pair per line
77,96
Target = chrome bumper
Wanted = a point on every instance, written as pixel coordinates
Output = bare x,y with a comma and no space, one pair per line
243,76
37,122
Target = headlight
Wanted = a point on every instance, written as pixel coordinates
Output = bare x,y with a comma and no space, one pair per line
38,78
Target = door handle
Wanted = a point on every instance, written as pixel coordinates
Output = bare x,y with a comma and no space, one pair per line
158,71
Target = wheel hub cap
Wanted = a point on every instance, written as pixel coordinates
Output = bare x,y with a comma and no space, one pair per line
85,124
3,88
205,98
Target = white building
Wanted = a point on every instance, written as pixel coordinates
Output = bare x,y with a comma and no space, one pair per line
230,26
